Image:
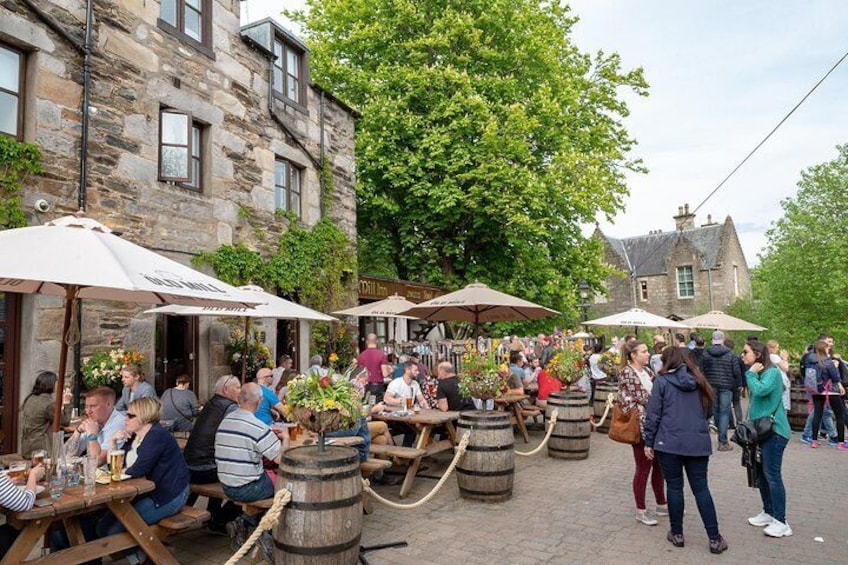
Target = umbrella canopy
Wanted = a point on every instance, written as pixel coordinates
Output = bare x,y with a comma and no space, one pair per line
390,307
718,320
271,307
478,303
77,257
637,318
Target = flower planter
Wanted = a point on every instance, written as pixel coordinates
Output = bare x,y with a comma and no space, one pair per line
318,422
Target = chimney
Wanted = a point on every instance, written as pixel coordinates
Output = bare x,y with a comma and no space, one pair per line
684,220
709,221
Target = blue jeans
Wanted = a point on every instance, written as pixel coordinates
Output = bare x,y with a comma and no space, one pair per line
149,512
827,422
360,428
260,489
771,481
696,472
724,398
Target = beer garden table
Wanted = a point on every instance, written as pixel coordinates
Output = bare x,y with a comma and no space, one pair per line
512,403
70,508
423,423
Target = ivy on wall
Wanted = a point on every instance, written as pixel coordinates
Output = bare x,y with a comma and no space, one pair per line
17,161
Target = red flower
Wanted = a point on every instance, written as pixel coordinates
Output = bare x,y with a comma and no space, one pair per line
324,382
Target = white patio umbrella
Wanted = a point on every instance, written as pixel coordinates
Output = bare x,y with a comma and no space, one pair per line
478,303
389,307
78,258
637,318
270,307
718,320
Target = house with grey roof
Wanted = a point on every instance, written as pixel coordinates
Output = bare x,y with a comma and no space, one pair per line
677,274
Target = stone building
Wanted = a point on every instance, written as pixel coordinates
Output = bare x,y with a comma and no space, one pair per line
677,274
199,132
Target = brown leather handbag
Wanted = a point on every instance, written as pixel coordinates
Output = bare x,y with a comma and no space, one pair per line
624,427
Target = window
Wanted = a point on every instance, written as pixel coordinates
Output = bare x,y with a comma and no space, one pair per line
188,20
685,282
288,72
643,286
180,149
11,91
287,187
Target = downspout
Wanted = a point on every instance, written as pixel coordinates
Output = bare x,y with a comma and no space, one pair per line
710,285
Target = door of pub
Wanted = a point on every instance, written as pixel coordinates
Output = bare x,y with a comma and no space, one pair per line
288,336
9,375
176,350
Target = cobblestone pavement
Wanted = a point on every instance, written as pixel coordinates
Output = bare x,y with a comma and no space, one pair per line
582,512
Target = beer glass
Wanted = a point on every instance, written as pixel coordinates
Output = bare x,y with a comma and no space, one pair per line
408,400
116,464
294,432
17,471
89,475
38,457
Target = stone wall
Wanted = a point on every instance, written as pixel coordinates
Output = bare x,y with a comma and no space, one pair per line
138,68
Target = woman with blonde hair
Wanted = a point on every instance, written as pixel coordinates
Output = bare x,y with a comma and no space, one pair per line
150,452
134,387
635,383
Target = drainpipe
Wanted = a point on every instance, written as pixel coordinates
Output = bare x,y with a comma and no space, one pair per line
710,285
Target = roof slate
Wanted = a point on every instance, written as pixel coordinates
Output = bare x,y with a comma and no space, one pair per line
646,254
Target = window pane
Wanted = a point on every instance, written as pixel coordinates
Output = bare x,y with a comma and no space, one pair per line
195,141
193,24
195,4
9,114
10,70
174,128
278,79
278,52
168,12
295,203
293,89
292,66
194,181
280,174
295,180
174,162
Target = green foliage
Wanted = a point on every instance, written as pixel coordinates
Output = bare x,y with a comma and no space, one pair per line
235,264
801,286
17,161
258,355
486,140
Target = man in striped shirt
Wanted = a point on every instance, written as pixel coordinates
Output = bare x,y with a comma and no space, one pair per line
240,444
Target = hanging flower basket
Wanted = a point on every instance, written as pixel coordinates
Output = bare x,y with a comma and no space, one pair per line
319,422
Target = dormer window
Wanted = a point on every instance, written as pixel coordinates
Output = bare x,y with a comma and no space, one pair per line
289,72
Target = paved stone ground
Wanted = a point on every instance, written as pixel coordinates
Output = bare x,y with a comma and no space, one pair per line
581,512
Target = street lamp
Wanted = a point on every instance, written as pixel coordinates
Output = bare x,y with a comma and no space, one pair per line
583,287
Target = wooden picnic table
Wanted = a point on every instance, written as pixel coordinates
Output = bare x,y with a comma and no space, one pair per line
423,423
512,403
70,508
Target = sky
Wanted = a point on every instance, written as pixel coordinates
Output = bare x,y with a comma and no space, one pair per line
722,74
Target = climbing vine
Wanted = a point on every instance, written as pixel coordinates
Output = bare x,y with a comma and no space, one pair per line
17,161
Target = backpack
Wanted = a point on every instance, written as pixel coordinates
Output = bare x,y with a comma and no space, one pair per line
813,376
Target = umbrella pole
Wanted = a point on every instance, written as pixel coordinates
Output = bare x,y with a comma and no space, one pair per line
59,389
244,351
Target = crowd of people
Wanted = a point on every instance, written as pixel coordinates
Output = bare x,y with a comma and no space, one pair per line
680,391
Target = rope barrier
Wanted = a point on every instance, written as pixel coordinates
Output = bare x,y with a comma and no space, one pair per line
460,451
609,403
269,520
551,424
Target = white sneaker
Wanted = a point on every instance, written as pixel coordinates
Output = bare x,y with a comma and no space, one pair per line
778,529
761,519
646,518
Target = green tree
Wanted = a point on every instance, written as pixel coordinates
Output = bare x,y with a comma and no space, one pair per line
486,139
17,161
801,285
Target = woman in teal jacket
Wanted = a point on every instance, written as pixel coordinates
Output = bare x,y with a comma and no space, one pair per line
765,387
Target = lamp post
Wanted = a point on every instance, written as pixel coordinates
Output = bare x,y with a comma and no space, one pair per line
583,287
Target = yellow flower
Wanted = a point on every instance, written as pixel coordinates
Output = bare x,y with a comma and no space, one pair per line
331,404
333,357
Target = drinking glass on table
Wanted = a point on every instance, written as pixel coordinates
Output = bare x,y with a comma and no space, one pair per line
17,472
57,485
89,475
72,471
38,457
116,465
408,401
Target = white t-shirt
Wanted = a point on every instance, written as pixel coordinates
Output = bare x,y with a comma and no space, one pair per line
645,380
775,360
400,389
596,372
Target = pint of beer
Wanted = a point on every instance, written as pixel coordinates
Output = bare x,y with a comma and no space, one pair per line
38,457
408,403
116,464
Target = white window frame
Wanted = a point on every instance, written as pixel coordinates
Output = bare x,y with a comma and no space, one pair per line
680,282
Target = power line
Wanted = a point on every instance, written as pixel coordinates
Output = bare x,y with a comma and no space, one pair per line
766,138
748,156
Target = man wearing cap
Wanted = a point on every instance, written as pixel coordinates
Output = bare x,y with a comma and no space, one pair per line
721,368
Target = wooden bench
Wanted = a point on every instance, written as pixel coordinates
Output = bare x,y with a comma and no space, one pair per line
186,519
368,468
397,451
216,490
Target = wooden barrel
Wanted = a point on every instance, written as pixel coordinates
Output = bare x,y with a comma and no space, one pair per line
322,524
487,470
798,407
570,438
600,402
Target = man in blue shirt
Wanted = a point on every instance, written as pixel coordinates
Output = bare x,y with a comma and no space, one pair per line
270,401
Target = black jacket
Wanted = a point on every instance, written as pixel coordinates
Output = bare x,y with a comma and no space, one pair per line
721,367
199,450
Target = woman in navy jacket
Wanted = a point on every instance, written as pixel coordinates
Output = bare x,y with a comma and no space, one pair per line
677,432
150,452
